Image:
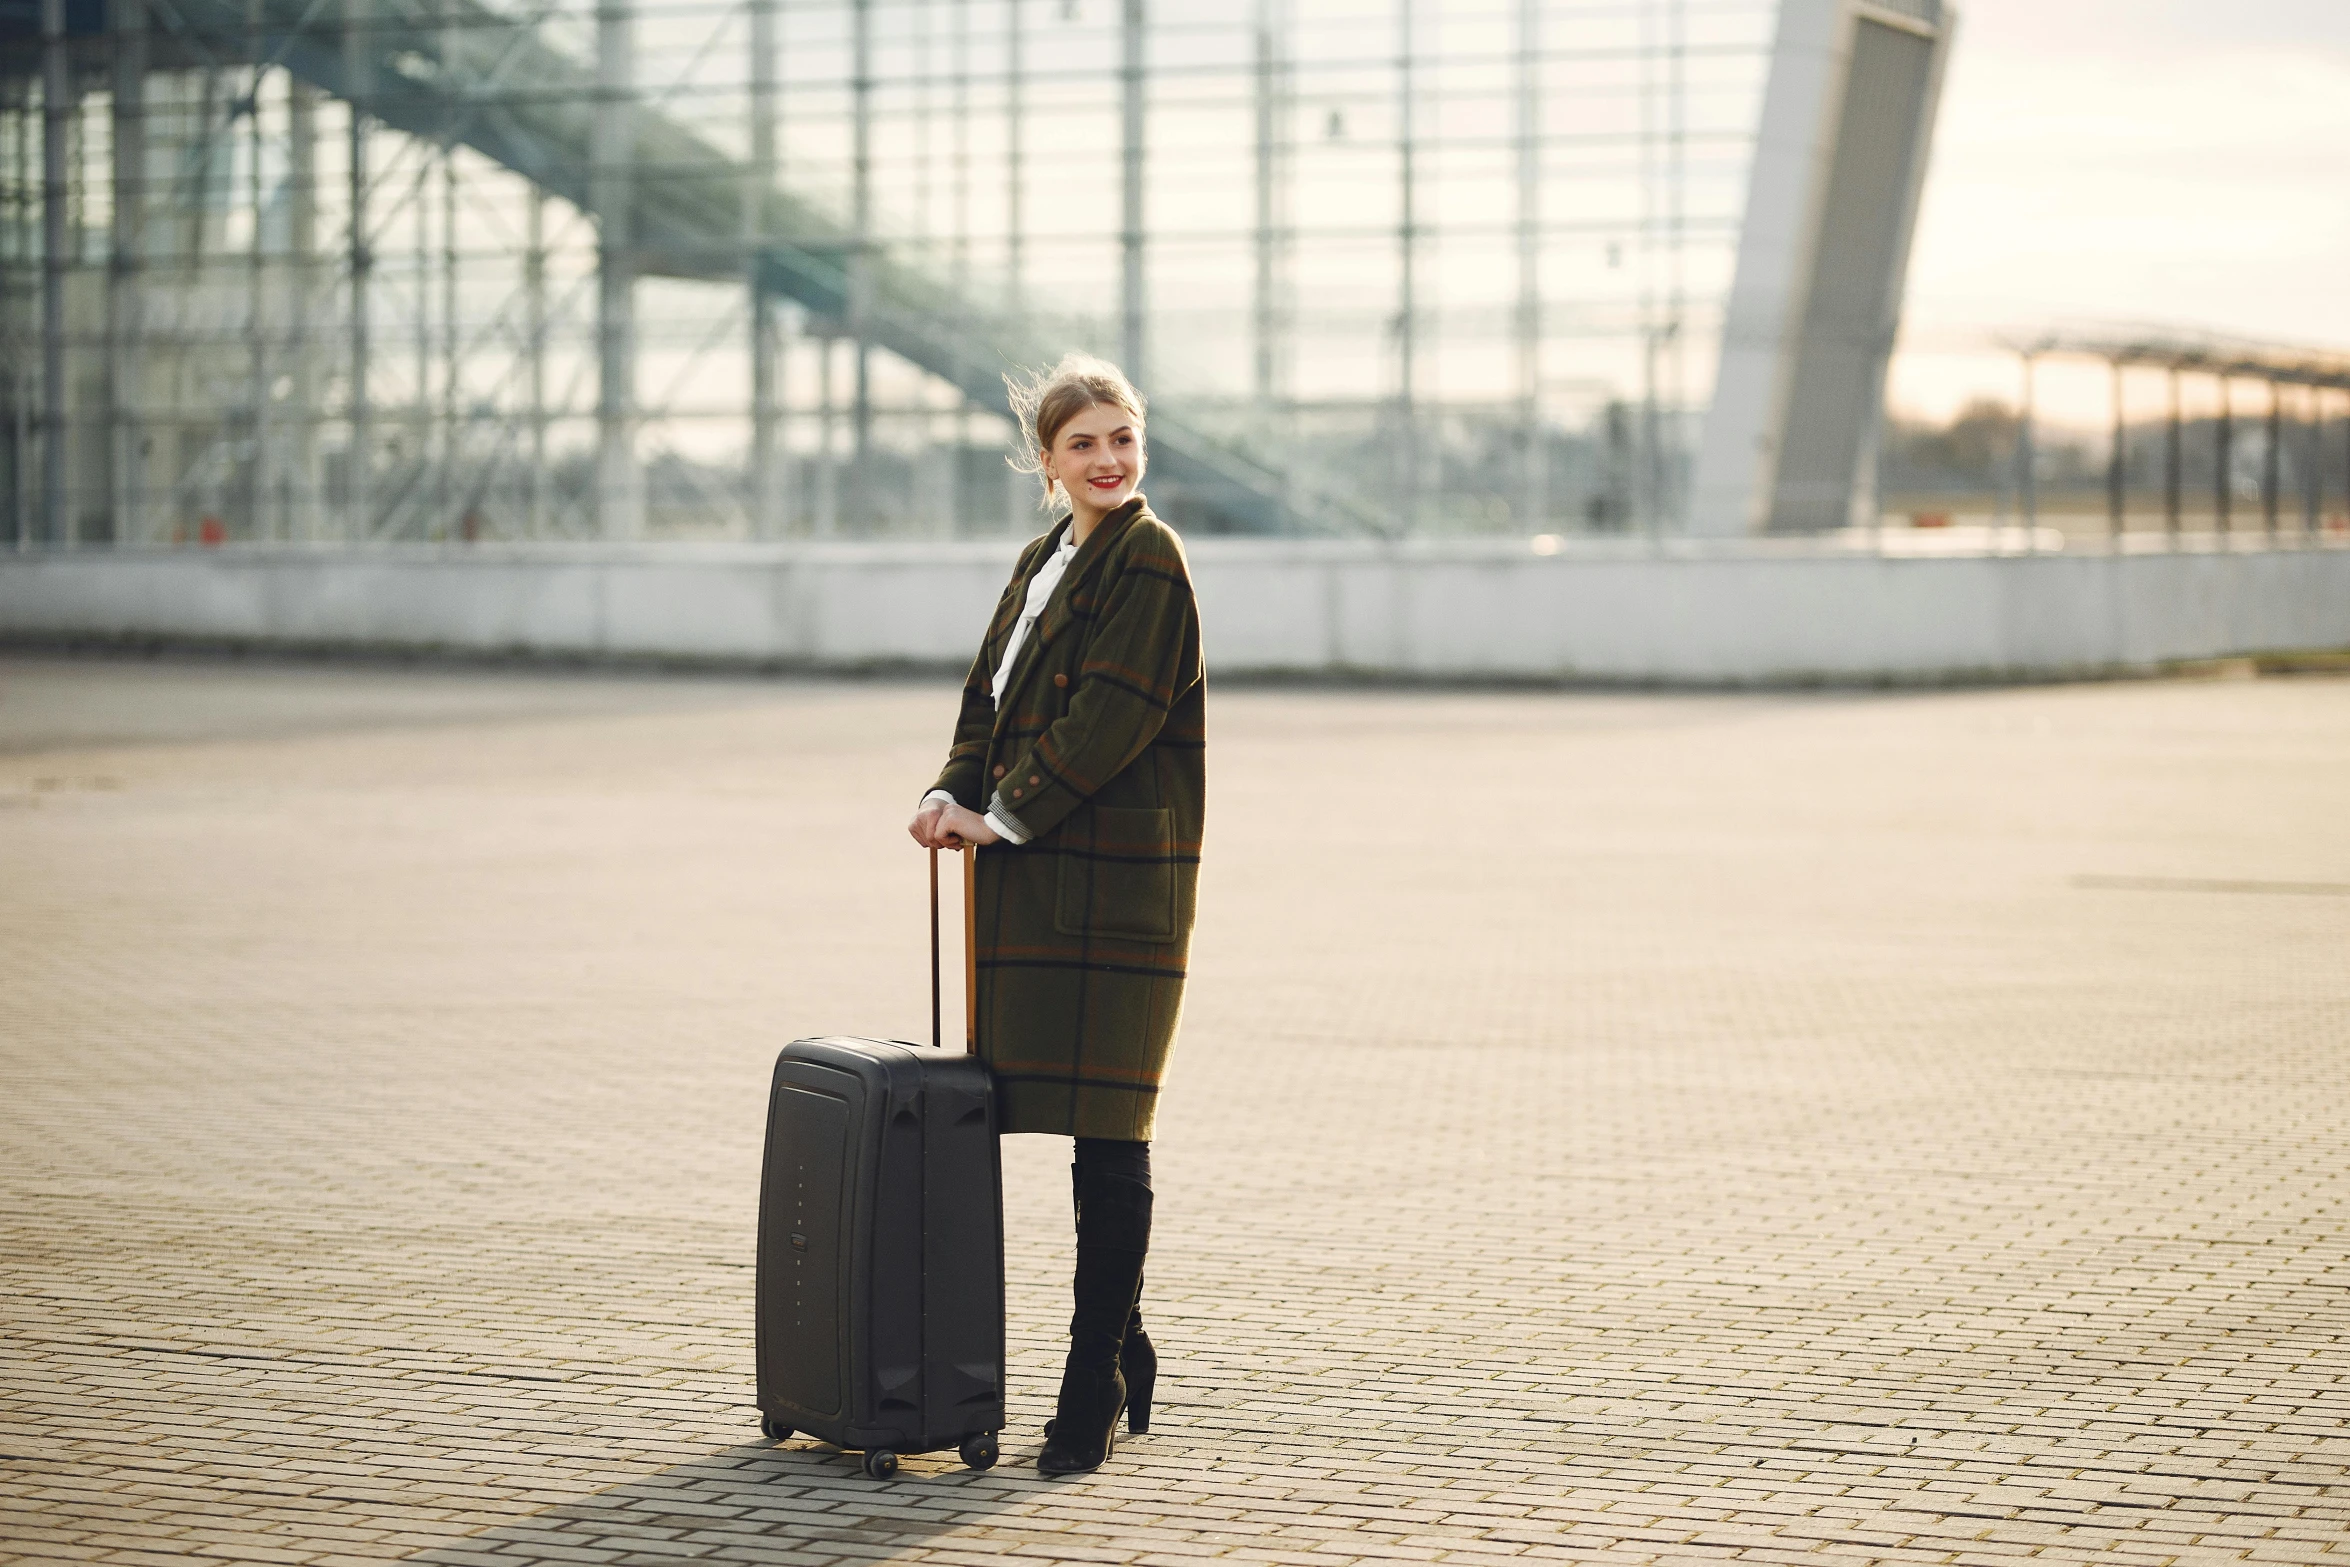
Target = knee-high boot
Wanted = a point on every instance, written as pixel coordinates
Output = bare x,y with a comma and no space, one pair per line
1138,1361
1113,1238
1138,1358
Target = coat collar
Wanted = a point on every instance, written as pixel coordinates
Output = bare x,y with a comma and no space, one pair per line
1087,562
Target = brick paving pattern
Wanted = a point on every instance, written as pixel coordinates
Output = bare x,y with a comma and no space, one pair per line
1608,1128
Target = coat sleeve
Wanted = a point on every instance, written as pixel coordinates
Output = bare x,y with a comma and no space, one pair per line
1144,654
967,753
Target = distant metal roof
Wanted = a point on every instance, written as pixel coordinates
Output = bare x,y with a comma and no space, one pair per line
2212,355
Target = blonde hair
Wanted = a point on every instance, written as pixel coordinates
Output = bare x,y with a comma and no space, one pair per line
1045,402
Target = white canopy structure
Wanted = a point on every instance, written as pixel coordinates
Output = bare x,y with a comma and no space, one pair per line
1790,439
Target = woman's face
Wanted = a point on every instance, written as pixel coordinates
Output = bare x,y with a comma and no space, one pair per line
1097,457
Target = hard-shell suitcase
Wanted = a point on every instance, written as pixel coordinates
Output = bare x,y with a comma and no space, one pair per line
881,1241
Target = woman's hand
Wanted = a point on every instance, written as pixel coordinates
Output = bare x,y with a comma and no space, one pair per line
958,825
941,826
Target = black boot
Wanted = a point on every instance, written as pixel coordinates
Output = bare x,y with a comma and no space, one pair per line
1138,1360
1138,1363
1113,1237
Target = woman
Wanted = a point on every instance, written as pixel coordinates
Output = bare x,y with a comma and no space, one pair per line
1078,767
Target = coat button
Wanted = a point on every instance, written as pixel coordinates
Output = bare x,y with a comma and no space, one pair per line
1061,680
1032,779
999,772
1016,793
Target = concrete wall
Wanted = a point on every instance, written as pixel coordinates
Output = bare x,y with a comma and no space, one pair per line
1750,613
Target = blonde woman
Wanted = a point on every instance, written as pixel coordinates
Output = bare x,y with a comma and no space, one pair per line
1079,768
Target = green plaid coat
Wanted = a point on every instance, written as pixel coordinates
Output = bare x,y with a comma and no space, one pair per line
1100,755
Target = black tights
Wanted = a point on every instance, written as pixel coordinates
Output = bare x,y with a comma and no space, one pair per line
1101,1156
1110,1181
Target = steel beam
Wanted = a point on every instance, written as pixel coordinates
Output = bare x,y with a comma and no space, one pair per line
57,111
420,409
303,521
2313,477
358,66
125,291
860,311
2272,464
21,372
827,454
2116,463
1271,306
1133,92
1407,303
620,491
1645,453
448,504
769,510
2027,460
2223,476
1015,159
959,263
1670,476
1534,454
1264,366
261,299
537,515
2174,465
1019,505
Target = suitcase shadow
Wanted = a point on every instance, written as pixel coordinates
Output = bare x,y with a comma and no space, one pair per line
808,1493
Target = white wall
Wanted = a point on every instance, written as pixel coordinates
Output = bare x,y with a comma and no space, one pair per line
1752,613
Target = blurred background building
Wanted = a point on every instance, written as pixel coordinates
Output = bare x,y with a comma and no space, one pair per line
380,270
1486,338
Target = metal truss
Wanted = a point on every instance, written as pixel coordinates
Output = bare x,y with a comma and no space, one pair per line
374,270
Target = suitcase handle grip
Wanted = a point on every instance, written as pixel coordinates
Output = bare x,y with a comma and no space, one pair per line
970,952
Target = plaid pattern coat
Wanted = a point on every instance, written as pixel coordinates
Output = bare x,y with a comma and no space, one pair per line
1099,754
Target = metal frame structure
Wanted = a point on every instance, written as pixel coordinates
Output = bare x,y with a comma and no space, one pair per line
2225,362
369,270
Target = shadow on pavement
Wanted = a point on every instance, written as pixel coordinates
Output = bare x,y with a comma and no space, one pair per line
800,1503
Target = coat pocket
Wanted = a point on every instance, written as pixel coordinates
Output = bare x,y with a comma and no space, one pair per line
1118,878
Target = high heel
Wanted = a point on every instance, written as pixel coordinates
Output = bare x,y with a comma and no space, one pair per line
1113,1235
1083,1432
1139,1362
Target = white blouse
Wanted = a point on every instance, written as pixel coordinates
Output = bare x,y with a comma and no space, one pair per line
1040,588
1040,591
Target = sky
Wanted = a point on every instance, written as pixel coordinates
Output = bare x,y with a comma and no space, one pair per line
2174,162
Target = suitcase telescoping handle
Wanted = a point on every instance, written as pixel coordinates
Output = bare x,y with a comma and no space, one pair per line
970,951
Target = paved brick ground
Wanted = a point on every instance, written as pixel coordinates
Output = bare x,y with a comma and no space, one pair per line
1609,1129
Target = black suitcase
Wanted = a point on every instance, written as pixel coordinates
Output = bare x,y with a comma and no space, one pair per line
881,1242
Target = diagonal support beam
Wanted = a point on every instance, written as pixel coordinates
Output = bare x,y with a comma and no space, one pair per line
441,75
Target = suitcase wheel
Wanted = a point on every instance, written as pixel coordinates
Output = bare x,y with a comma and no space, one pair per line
880,1463
979,1451
773,1429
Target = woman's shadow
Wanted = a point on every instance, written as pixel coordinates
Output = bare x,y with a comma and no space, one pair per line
741,1503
